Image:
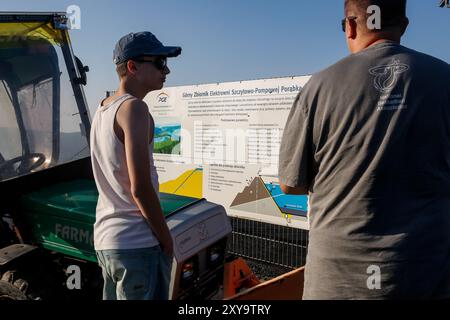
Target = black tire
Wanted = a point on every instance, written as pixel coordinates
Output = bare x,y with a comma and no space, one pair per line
9,292
12,288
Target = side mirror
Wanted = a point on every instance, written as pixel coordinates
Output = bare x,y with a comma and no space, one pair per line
83,70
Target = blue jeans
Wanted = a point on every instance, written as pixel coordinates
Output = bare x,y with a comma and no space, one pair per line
136,274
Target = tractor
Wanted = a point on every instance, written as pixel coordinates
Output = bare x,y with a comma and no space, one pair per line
47,192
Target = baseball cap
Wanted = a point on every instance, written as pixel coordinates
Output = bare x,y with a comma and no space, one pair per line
138,44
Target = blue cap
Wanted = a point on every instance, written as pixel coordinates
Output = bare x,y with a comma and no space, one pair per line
138,44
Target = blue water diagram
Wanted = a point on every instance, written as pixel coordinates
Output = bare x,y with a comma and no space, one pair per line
289,204
268,199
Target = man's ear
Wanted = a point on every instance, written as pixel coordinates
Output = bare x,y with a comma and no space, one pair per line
351,29
131,67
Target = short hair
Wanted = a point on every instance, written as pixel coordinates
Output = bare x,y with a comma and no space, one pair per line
121,69
393,12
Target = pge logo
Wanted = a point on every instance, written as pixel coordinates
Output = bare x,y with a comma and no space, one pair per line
163,98
74,15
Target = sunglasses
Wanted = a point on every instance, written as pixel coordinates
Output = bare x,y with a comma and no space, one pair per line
344,21
160,63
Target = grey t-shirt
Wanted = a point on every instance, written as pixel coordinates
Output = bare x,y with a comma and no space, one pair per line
370,138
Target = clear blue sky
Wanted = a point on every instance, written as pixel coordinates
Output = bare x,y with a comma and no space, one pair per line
229,40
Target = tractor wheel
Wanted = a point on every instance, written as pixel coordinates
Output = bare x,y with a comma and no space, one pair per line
11,288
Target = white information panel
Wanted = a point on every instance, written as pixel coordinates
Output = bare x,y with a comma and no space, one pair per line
221,142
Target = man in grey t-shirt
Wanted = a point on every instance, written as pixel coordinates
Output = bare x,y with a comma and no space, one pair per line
369,140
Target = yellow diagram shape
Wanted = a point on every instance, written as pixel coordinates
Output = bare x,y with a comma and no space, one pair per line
189,184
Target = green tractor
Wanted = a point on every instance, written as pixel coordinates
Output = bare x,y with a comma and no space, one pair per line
47,192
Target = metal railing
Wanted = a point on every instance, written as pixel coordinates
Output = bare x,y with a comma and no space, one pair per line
268,243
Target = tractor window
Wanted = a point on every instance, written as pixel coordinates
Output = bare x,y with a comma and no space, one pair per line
35,105
10,144
39,117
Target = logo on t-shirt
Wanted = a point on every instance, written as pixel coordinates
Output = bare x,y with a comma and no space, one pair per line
386,76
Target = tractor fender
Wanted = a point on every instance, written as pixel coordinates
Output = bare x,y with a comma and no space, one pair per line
12,252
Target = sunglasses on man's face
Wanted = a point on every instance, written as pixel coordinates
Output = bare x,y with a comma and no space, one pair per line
159,63
344,22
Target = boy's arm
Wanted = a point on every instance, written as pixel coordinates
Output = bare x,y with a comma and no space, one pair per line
134,120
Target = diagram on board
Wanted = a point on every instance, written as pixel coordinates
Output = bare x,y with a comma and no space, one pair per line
167,136
189,184
267,198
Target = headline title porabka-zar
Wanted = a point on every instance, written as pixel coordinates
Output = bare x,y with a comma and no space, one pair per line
242,92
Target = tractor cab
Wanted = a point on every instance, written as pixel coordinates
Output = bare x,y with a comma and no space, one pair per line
43,113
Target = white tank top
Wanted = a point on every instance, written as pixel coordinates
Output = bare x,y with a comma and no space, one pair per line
119,223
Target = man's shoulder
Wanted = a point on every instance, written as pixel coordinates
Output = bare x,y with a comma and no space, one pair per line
131,113
330,74
333,73
134,102
134,106
431,60
421,56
